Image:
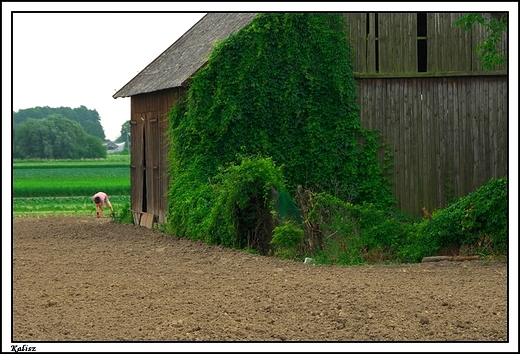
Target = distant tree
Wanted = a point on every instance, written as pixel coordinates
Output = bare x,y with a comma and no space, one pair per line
95,148
87,118
30,139
55,137
125,133
90,121
495,25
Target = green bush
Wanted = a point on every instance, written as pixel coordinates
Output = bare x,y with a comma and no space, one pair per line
350,234
478,221
236,208
244,208
286,239
190,199
123,215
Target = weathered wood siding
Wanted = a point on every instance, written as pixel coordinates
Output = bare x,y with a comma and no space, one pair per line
421,84
149,151
387,43
453,49
442,131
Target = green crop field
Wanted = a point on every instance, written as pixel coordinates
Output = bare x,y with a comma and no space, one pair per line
66,187
64,205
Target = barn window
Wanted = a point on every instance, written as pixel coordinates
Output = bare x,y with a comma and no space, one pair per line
422,34
376,24
376,34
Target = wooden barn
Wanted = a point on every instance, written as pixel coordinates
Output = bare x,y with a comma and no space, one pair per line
419,82
153,92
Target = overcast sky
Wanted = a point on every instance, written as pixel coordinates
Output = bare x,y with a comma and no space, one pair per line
75,59
79,58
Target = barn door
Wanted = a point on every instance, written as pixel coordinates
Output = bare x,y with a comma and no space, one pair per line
144,195
151,151
141,169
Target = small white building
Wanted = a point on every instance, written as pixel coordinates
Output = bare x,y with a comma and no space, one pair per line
114,148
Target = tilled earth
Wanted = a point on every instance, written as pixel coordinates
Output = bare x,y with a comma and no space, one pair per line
88,279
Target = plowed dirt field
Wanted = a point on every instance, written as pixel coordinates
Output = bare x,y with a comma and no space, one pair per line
88,279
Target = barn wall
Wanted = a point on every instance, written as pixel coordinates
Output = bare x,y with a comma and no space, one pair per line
421,84
446,122
149,151
450,131
388,43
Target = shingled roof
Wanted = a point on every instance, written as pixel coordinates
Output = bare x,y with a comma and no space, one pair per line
187,55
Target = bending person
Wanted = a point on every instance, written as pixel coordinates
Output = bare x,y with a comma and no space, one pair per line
100,199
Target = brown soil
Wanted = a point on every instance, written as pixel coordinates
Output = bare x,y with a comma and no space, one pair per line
88,279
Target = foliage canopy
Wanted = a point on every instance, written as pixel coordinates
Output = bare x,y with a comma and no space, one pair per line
55,137
87,118
281,89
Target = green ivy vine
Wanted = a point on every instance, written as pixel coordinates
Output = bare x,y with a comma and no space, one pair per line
281,88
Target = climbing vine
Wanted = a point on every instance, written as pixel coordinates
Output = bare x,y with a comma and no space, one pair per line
281,88
489,55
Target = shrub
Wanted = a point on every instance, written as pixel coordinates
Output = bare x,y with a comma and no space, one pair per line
344,233
123,215
236,208
478,220
286,239
244,203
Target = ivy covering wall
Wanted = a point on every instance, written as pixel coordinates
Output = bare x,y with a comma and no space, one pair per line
280,96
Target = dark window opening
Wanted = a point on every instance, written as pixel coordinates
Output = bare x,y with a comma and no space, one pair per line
376,25
421,24
422,50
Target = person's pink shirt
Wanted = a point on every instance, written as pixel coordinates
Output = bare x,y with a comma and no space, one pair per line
102,195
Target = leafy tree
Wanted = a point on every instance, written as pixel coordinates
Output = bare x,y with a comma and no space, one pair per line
489,55
55,137
94,148
29,139
88,119
125,133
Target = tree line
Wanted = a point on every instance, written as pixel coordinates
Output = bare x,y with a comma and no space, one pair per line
60,133
88,119
55,137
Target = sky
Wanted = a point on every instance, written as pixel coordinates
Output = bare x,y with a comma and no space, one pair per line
81,59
